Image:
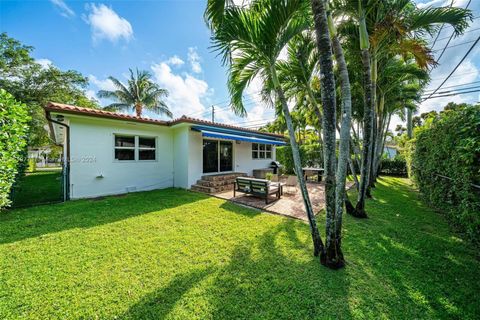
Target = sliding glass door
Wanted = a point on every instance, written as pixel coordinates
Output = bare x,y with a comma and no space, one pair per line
217,156
226,156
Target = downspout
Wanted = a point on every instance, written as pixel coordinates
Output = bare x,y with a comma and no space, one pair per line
66,173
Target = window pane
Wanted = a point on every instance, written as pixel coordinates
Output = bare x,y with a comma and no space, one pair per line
146,142
146,154
262,147
124,154
210,156
255,154
122,141
262,154
254,146
269,147
269,155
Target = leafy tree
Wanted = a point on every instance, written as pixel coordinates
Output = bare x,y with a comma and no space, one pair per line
13,139
139,94
36,85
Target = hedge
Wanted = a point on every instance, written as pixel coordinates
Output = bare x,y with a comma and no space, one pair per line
394,167
449,146
13,141
310,154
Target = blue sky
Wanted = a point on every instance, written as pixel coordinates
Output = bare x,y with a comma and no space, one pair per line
170,39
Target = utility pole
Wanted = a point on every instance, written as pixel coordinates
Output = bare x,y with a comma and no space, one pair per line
213,113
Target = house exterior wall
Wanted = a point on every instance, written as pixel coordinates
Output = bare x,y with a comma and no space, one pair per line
94,170
242,158
244,161
179,157
180,160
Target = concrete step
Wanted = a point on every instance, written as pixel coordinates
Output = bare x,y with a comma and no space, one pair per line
221,177
215,184
203,189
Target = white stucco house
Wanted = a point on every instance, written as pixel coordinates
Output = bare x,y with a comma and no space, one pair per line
108,153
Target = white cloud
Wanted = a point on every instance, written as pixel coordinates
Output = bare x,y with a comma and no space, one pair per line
441,3
65,10
106,84
175,61
45,63
194,60
107,24
91,94
185,91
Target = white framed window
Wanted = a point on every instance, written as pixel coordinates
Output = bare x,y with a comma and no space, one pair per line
135,148
124,148
261,151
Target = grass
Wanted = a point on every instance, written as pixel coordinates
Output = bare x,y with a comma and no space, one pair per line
43,186
180,255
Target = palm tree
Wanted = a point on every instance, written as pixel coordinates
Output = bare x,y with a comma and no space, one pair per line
396,27
333,256
140,94
250,39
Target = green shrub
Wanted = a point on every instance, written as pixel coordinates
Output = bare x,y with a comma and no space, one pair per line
394,167
13,135
448,145
32,165
310,155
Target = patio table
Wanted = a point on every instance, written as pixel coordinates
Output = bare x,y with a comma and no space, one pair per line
319,172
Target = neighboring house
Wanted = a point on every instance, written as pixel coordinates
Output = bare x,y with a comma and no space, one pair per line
111,153
43,157
390,151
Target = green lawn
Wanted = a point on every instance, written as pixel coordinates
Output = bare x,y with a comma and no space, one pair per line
43,186
182,255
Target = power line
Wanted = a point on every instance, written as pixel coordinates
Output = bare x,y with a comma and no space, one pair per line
457,85
456,67
468,31
451,94
457,90
440,31
452,46
451,36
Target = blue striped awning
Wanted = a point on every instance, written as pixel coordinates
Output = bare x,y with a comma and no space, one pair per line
228,136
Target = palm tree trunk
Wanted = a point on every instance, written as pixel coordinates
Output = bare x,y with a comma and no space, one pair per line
375,111
333,256
344,145
384,137
138,109
379,136
318,247
409,123
367,137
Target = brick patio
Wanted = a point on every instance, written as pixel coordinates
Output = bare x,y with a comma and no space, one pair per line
290,204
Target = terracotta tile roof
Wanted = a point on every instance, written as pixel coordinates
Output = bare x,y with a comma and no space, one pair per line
65,108
185,119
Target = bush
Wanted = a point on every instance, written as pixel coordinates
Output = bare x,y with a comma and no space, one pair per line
394,167
448,145
14,127
32,165
310,155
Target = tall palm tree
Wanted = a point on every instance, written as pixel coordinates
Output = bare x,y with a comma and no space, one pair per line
397,27
250,39
333,256
139,94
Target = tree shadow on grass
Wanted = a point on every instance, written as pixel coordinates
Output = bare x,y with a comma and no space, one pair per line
394,270
19,224
260,280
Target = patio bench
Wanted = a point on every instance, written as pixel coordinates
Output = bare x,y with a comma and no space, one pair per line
257,187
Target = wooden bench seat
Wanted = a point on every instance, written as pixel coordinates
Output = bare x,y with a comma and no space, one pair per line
257,187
